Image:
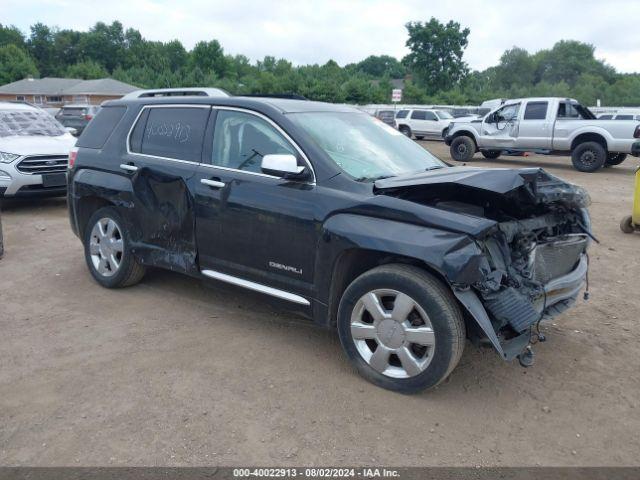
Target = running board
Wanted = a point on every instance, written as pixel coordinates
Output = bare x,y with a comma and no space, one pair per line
257,287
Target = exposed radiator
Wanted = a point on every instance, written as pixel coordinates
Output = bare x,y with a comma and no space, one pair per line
556,258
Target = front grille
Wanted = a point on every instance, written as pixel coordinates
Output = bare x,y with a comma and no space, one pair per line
41,164
557,258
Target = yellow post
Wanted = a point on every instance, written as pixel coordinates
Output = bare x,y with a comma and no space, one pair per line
635,214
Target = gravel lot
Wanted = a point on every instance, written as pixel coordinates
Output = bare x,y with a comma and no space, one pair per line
177,372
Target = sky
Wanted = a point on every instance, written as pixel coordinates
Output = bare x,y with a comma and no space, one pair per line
313,31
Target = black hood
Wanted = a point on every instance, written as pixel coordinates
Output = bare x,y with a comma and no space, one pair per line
525,186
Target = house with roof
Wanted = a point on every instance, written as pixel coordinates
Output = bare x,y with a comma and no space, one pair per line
56,92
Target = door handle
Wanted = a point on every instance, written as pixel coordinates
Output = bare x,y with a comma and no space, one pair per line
212,183
128,168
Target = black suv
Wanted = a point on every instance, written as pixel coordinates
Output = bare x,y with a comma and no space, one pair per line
335,215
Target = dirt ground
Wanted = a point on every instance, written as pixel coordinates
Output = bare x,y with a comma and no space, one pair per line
175,372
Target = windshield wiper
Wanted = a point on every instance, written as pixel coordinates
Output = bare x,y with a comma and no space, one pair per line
435,167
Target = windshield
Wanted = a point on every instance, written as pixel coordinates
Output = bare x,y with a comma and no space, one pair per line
29,122
364,147
444,115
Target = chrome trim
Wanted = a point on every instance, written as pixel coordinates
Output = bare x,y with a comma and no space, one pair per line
219,107
279,129
212,183
257,287
128,168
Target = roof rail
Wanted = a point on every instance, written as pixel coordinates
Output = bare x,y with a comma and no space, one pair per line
290,96
177,92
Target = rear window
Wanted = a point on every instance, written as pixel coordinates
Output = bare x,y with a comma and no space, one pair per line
172,132
74,111
99,129
536,111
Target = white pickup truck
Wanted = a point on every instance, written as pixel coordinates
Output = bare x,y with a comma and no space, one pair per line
547,125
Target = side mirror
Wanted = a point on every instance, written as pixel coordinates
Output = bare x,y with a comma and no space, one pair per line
281,165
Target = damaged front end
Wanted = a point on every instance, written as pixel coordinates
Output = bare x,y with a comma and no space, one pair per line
535,255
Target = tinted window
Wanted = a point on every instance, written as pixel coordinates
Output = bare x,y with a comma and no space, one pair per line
99,129
240,140
568,110
175,132
536,111
418,115
624,117
402,114
430,116
605,117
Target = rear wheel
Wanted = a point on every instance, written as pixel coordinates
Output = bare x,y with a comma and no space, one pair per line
462,148
588,157
405,130
626,225
491,154
401,328
108,252
615,158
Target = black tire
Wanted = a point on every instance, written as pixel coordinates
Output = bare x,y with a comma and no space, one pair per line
129,271
445,132
626,225
419,137
588,157
491,154
405,130
434,298
462,148
615,159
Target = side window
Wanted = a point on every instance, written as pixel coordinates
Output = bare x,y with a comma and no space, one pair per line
172,132
567,110
430,116
402,114
508,113
418,115
536,111
240,140
100,128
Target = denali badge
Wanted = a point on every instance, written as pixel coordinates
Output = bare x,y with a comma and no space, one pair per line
287,268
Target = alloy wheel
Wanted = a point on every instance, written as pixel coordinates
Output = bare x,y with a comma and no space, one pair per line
392,333
106,247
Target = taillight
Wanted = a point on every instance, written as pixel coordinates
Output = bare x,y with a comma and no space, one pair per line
88,117
73,153
636,134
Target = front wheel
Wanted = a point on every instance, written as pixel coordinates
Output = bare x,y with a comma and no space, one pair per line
462,148
491,154
405,130
401,328
108,252
588,157
615,158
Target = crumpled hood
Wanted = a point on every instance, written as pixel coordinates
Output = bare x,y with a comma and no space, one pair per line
37,144
532,186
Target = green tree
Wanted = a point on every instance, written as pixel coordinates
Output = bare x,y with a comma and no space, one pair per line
381,65
10,35
436,53
40,46
15,64
567,60
516,68
105,44
209,56
86,70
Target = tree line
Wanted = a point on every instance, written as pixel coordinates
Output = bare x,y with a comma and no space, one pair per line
434,71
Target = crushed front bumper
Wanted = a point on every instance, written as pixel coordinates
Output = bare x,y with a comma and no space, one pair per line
559,294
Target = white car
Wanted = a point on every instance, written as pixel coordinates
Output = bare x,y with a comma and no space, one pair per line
34,152
421,122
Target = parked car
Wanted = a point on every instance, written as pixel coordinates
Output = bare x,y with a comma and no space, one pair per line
619,116
77,116
423,123
336,216
34,149
555,125
387,116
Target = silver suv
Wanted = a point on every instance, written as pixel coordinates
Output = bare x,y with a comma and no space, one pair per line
34,150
